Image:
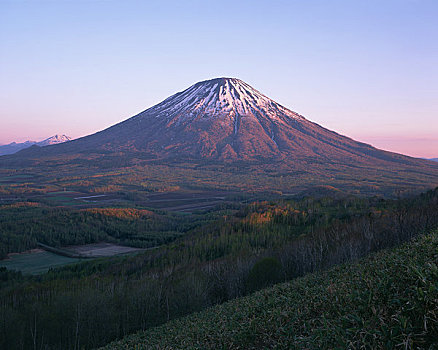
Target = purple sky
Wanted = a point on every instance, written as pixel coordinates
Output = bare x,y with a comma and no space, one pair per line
366,69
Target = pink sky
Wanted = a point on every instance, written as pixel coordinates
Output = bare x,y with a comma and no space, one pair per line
411,146
365,69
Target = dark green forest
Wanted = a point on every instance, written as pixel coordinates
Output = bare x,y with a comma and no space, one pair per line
236,250
24,224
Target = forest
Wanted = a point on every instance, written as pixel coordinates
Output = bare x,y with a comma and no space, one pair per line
234,251
387,300
24,224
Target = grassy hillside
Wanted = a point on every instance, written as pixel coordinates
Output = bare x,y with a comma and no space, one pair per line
388,300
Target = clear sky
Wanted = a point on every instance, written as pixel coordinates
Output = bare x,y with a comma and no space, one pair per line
364,68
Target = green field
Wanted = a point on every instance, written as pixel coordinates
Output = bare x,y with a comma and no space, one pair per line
60,192
16,178
62,200
35,263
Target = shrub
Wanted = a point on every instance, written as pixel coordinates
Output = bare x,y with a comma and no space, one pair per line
264,273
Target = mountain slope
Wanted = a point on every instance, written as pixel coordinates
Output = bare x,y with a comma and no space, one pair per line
388,300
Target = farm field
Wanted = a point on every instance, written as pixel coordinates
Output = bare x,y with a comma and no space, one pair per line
16,178
186,201
36,262
98,250
79,199
181,201
102,193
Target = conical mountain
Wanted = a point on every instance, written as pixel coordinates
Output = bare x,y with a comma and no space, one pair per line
226,119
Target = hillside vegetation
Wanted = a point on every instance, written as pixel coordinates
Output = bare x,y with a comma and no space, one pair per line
388,300
246,249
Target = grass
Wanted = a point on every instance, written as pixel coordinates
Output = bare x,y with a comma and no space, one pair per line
35,263
20,176
60,192
388,300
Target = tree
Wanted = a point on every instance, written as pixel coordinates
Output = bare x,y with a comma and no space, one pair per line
264,272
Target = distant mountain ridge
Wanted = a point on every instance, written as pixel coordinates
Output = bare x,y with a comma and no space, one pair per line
14,147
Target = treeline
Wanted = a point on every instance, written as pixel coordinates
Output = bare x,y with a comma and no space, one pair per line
90,304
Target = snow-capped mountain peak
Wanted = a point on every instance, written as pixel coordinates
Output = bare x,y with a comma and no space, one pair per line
218,97
54,140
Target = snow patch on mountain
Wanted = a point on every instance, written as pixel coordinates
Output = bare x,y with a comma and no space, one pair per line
218,97
54,140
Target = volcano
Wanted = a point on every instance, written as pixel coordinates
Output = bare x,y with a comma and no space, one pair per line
225,121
